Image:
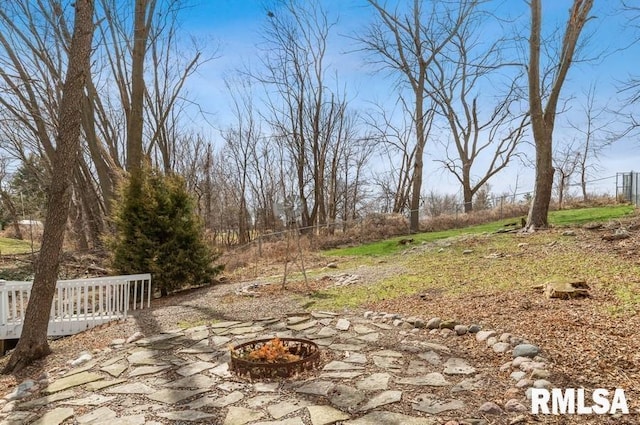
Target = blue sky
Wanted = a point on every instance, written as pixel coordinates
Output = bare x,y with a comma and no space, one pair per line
235,26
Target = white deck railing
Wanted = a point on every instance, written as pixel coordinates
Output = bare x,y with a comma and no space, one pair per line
77,305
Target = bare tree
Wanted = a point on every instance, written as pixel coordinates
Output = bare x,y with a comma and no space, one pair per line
356,159
172,63
406,43
631,87
143,14
482,198
594,137
241,141
33,341
305,111
34,42
265,183
566,160
543,105
395,137
437,204
480,126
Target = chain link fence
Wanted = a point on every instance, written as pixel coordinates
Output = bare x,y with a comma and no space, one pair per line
628,187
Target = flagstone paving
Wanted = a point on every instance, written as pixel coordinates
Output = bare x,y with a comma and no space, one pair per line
372,372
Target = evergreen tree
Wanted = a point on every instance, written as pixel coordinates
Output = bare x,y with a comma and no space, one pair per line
157,231
28,188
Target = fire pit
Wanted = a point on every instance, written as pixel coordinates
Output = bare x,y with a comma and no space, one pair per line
277,357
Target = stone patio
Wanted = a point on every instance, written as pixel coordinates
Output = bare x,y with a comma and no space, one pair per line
377,369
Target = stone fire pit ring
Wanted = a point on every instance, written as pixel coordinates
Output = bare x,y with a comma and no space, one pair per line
308,351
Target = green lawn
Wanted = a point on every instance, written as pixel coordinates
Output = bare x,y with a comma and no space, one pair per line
586,215
14,246
516,268
451,270
556,218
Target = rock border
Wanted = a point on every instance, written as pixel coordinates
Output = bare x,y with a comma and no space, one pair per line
529,369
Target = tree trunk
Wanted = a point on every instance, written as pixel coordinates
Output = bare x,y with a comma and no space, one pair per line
467,196
104,166
135,118
92,207
543,118
583,184
77,224
561,186
243,222
414,217
33,342
539,210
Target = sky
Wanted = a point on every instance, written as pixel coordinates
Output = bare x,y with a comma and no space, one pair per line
233,27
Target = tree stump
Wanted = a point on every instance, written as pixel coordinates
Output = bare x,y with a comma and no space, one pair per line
565,289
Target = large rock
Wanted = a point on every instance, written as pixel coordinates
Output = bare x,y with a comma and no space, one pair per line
344,396
343,324
461,329
323,415
525,350
385,397
434,323
434,406
22,390
490,408
482,336
514,405
474,329
54,417
448,324
72,381
501,347
235,415
434,379
566,289
458,366
374,382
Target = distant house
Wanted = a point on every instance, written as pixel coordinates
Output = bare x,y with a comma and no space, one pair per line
31,223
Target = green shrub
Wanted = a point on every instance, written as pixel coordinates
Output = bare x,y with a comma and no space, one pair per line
157,231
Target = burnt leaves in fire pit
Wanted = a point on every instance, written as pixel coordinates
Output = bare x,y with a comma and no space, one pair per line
273,351
274,358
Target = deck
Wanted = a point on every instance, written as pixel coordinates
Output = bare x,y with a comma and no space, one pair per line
78,304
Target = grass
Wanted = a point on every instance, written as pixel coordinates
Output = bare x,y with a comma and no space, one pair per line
586,215
518,268
391,246
498,262
14,246
556,218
